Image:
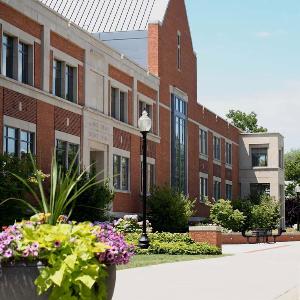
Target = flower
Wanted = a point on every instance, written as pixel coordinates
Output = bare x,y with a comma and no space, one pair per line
8,253
57,244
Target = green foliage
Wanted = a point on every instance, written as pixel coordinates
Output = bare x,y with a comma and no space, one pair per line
169,210
128,226
266,214
64,190
245,207
94,203
292,166
292,211
172,244
223,214
72,270
246,122
10,188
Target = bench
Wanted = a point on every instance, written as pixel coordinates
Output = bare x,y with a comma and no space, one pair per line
261,235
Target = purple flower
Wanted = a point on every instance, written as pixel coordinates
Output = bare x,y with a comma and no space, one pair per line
57,244
8,253
35,246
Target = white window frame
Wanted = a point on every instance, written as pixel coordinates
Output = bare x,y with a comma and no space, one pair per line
203,155
228,162
217,160
125,154
203,176
117,111
219,180
150,161
20,125
228,182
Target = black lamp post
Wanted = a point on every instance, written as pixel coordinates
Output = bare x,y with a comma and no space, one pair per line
144,126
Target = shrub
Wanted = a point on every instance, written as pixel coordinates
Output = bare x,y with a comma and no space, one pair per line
130,224
93,204
266,214
173,244
12,188
169,210
223,214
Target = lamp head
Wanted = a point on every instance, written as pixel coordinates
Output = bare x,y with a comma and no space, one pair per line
144,122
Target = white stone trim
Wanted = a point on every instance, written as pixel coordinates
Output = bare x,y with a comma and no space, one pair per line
120,152
205,228
228,182
18,33
66,137
203,156
203,175
68,59
119,85
176,91
164,106
215,178
20,124
145,99
150,160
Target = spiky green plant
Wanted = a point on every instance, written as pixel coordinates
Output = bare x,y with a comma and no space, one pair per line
63,190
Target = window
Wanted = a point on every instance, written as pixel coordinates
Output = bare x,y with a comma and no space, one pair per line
23,63
217,189
203,142
17,142
257,189
179,112
121,173
7,55
203,188
144,106
259,157
119,105
178,50
69,83
217,148
66,153
57,78
228,153
280,157
150,177
228,191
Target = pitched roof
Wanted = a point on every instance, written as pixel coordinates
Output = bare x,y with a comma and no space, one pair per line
110,15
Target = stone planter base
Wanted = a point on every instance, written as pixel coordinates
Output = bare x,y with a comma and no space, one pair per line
17,282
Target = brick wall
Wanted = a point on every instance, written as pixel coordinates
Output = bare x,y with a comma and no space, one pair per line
1,118
19,106
37,66
45,135
206,234
122,139
19,20
120,76
66,46
146,90
67,121
81,87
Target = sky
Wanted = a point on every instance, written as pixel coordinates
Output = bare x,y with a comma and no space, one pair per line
248,54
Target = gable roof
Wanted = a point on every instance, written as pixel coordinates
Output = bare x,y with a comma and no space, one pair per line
110,15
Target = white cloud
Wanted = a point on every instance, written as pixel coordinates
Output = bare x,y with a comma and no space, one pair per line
263,34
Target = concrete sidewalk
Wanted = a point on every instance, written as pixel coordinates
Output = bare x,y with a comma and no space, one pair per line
255,272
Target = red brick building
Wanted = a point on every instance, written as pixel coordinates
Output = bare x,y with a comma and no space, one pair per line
77,76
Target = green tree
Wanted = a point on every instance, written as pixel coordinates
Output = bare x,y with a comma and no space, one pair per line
244,121
223,214
169,210
292,166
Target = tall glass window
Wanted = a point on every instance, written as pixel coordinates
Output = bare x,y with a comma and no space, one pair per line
217,148
150,177
203,142
203,188
17,142
228,153
7,55
121,173
57,78
66,153
69,83
228,191
217,189
179,115
23,63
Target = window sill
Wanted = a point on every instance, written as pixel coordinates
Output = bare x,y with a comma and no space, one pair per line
228,166
217,162
203,156
122,192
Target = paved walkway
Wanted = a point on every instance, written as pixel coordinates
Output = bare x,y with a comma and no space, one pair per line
254,272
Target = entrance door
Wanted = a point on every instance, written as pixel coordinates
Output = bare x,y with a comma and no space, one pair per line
97,161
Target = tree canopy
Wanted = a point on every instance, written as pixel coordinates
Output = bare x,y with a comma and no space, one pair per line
292,166
244,121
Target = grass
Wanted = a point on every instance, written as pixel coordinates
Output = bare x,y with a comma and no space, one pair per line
156,259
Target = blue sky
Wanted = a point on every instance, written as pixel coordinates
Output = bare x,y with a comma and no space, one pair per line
249,59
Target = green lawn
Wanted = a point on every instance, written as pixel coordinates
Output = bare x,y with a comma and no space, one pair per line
156,259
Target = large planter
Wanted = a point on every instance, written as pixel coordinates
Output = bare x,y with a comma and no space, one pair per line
17,282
